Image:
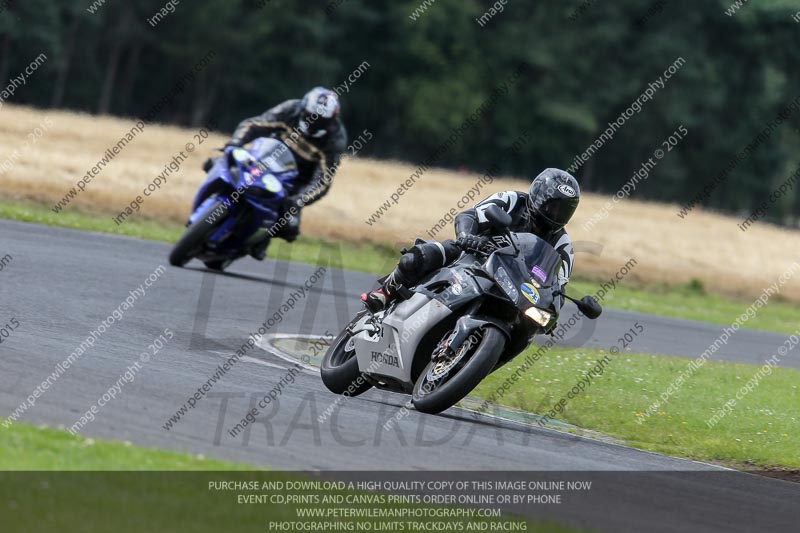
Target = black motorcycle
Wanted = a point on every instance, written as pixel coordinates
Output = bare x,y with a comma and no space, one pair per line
459,324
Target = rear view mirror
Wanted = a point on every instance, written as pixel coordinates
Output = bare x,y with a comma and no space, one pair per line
499,219
589,307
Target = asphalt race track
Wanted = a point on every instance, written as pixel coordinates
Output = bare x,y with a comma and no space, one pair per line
61,284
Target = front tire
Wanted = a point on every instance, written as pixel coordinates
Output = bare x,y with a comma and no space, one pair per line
218,265
192,241
435,393
339,368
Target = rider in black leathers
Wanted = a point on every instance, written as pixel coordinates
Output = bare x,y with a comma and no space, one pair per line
313,131
544,211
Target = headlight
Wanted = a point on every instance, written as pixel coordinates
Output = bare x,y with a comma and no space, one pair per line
241,155
537,315
502,279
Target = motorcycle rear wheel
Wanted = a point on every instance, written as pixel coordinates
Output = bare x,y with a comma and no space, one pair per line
433,395
192,241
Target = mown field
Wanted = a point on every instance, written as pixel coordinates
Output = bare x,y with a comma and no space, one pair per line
705,249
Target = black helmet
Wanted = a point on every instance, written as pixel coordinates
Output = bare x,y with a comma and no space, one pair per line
320,108
552,199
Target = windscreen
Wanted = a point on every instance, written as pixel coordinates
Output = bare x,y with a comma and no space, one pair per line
541,260
274,154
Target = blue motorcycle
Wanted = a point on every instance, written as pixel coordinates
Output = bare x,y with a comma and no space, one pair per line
237,204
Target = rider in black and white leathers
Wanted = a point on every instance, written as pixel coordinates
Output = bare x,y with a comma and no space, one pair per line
473,222
544,211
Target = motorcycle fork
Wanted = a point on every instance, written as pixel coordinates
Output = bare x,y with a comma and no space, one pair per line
442,349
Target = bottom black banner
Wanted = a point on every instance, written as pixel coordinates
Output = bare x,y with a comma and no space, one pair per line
705,501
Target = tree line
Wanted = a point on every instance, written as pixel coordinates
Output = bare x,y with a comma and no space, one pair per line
577,66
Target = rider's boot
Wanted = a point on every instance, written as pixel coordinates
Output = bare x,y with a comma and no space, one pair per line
287,231
259,251
380,298
287,227
422,259
291,229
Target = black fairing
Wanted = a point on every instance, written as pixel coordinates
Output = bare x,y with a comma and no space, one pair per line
533,252
473,282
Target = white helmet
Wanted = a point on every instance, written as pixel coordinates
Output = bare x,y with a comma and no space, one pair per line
320,107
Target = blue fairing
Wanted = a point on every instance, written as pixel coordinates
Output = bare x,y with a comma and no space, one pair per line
253,184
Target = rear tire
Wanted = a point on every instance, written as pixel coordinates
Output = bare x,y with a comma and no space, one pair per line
197,234
339,368
435,396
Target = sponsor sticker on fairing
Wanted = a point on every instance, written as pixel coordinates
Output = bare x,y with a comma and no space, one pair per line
538,273
530,292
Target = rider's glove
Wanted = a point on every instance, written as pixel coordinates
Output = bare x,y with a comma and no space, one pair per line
235,143
475,243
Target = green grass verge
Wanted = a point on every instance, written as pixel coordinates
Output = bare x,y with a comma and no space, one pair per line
689,302
762,431
133,499
370,258
24,447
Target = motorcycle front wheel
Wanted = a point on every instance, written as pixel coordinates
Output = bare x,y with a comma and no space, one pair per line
339,368
447,379
196,235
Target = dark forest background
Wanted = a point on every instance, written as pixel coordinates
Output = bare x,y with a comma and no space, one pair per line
584,62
